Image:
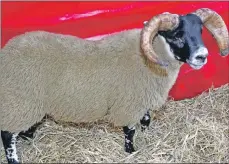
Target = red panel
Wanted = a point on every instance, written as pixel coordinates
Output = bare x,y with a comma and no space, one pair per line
87,19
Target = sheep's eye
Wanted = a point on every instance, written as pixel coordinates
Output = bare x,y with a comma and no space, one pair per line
179,34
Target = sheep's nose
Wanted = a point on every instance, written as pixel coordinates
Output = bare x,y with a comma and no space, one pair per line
201,54
201,58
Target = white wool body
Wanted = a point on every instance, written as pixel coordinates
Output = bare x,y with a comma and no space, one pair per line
78,80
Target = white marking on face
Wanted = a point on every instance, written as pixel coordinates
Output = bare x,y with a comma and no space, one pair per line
167,47
199,58
12,151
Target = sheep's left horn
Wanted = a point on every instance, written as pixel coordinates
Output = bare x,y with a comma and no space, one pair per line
161,22
216,26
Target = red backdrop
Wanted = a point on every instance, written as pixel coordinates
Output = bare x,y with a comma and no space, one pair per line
88,19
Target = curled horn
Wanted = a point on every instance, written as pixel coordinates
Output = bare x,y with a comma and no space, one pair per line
216,26
162,22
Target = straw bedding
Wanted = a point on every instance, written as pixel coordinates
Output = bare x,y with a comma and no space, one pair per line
191,130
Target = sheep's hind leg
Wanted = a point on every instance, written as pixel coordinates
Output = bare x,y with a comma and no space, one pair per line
9,144
145,121
129,135
30,132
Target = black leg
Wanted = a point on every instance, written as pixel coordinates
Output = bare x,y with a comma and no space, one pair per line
9,143
129,134
30,132
145,121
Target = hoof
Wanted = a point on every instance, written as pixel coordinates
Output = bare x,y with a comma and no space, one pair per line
129,149
143,129
13,162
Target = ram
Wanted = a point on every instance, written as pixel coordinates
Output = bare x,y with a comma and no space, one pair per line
117,78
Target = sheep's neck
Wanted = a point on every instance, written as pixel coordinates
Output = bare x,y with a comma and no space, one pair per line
154,67
163,51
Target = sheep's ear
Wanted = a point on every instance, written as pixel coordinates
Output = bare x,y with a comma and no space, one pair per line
145,22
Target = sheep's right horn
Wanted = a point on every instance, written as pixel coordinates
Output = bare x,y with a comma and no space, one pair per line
162,22
216,26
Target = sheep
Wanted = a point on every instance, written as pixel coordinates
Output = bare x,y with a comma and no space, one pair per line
118,78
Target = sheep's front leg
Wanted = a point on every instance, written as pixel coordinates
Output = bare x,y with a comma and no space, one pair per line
9,143
129,135
145,121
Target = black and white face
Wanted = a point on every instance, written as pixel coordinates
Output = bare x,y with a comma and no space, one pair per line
186,41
